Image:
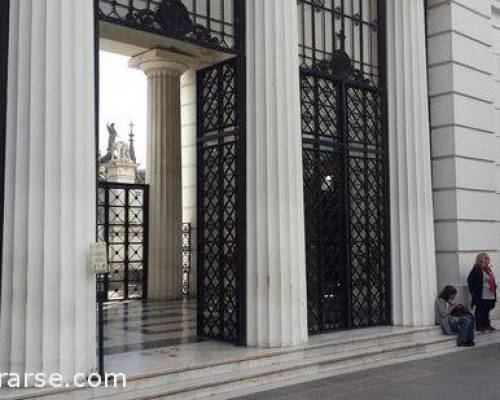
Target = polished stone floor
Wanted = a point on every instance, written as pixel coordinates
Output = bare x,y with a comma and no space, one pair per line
471,374
136,325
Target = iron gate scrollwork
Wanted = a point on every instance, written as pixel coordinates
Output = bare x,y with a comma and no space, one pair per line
122,223
221,193
345,159
207,23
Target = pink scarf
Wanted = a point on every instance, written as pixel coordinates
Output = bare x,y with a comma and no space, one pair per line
491,279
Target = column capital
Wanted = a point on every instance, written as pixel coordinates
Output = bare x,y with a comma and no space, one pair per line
163,60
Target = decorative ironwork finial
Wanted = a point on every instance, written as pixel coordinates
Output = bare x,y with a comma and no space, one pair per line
131,141
340,38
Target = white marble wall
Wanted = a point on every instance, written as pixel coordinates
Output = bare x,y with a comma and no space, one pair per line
464,155
188,143
495,26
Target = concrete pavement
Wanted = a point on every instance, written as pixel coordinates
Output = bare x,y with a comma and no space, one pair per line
471,374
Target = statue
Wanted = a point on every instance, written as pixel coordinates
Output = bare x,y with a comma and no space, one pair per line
111,143
119,163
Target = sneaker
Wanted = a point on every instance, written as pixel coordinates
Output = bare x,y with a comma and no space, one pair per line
490,328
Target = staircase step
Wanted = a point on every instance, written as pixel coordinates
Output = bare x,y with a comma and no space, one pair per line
325,356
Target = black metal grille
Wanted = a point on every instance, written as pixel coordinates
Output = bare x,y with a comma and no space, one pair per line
221,273
345,164
209,23
352,26
186,257
122,224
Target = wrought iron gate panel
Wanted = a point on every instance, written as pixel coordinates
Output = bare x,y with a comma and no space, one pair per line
122,224
221,274
186,256
208,23
345,163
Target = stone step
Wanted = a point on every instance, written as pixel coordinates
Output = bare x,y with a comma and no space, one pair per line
310,366
323,356
430,342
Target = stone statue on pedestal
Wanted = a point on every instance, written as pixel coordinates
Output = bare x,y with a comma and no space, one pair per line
119,162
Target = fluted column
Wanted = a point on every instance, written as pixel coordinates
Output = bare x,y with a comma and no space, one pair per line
164,70
47,320
412,229
276,277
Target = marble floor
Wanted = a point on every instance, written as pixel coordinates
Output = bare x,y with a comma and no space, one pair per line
138,325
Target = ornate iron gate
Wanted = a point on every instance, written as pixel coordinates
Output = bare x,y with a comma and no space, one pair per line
122,223
221,208
345,161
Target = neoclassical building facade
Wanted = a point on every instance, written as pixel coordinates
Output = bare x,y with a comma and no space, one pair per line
343,163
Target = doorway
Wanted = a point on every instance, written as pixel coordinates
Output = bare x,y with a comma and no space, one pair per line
345,158
212,267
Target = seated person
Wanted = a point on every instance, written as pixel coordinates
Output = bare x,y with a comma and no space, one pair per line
454,318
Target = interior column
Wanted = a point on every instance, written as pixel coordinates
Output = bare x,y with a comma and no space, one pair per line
164,70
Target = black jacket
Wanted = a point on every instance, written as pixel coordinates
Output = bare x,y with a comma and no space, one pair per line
475,282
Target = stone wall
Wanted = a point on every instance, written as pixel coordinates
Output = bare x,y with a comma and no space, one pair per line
464,144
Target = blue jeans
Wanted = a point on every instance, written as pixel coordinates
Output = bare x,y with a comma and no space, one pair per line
465,329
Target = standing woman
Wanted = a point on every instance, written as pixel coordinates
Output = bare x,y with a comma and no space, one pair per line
483,289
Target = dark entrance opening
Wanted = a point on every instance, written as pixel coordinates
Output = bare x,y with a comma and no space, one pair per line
345,157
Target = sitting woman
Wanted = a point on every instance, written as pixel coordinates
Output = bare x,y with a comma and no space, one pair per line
454,318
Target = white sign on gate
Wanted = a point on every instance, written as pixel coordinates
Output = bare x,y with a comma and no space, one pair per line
98,258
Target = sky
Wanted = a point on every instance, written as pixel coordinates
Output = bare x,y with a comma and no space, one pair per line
123,99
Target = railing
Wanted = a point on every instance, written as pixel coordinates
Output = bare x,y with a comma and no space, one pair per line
208,23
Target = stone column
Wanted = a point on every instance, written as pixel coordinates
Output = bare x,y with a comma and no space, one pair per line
47,317
412,230
276,277
164,70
